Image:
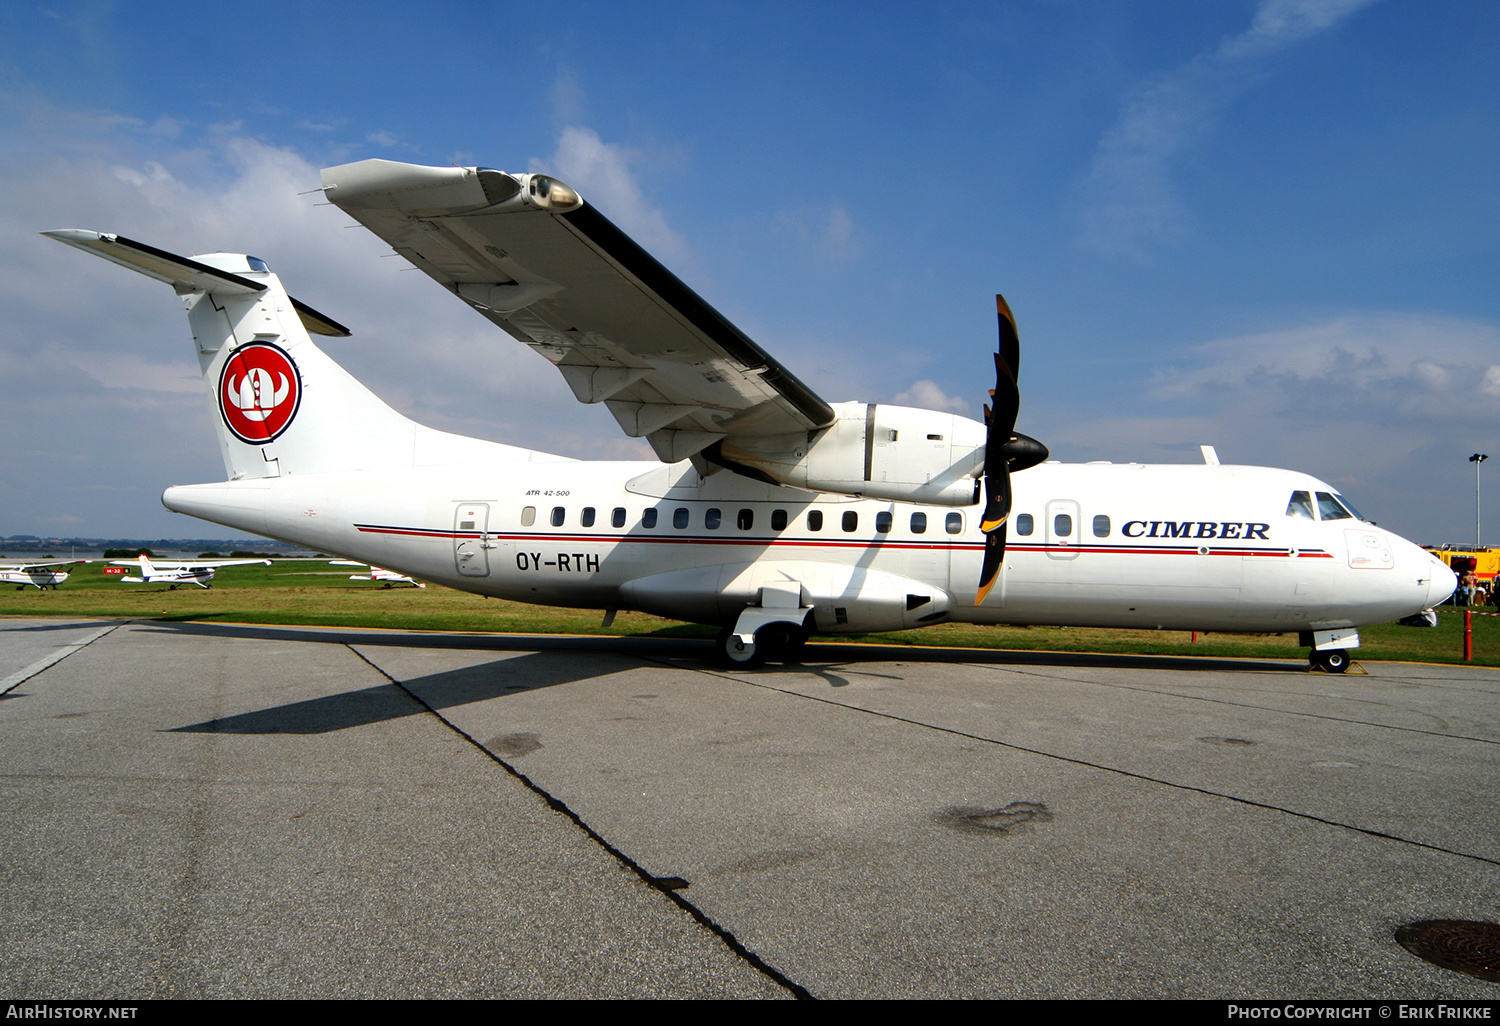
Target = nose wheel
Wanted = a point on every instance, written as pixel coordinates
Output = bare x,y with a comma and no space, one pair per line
1329,660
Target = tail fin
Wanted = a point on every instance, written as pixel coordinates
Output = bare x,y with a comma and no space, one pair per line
146,568
284,406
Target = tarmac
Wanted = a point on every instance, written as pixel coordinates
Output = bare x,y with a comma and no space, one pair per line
220,811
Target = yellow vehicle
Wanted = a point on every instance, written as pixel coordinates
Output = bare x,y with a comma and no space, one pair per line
1484,562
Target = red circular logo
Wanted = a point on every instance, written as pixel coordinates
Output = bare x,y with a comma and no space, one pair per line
259,391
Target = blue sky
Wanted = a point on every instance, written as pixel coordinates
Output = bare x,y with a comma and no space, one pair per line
1267,225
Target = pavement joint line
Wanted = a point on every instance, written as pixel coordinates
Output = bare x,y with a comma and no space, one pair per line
1113,769
1247,705
20,677
657,884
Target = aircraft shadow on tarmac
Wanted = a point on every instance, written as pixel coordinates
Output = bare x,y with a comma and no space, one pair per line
537,666
70,625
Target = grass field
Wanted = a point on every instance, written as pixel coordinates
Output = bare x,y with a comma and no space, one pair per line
313,593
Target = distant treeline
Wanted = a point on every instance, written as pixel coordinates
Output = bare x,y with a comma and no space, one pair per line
135,546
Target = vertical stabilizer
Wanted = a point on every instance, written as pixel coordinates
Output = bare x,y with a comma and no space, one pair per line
284,407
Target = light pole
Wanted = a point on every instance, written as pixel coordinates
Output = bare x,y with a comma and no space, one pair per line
1477,459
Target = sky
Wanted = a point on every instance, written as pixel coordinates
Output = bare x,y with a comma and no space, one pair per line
1264,225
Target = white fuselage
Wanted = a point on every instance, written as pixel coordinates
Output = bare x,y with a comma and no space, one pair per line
35,578
200,576
1123,545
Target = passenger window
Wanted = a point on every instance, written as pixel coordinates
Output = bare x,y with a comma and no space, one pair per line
778,520
587,517
919,523
648,518
711,519
558,516
1062,525
955,523
1101,526
528,516
851,520
680,517
617,519
745,520
815,520
1329,508
882,523
1300,506
1025,524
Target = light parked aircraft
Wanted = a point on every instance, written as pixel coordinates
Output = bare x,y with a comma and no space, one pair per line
38,575
388,577
773,514
199,572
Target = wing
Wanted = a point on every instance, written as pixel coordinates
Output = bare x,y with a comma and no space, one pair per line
529,254
43,566
198,564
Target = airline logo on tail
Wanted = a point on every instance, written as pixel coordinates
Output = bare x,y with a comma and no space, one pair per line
259,392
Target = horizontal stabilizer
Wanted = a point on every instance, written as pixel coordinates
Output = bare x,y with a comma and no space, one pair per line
184,273
181,273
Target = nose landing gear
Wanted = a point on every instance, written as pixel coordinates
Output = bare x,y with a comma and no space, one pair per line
1329,660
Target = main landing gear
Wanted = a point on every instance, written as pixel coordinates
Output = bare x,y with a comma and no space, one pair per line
775,642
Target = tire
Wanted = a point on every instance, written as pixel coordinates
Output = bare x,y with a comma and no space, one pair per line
1332,660
779,642
738,654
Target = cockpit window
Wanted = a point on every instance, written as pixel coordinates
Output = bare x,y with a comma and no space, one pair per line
1350,507
1300,506
1330,509
256,264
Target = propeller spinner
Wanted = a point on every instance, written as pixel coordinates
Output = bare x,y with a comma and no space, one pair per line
1005,451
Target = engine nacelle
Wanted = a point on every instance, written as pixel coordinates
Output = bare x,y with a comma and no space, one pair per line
875,451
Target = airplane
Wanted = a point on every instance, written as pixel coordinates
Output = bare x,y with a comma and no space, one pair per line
772,514
199,572
389,577
38,575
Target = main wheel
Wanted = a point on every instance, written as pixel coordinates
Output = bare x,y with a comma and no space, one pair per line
737,653
781,642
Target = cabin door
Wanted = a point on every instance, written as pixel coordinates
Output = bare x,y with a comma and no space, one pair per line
471,539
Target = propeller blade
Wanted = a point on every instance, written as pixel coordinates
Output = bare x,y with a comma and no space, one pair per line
1005,451
994,556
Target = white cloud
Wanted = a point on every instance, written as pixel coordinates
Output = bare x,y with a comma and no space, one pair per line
567,98
600,171
1409,366
927,395
103,391
1129,202
382,138
827,230
1388,404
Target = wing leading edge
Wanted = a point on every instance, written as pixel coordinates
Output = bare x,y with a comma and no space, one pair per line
528,253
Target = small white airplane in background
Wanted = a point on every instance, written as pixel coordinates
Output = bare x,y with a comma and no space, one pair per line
388,577
773,513
199,572
38,575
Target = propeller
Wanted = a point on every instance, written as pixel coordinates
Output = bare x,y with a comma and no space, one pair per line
1005,451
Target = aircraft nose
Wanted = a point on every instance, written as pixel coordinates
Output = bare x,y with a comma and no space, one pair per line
1443,582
